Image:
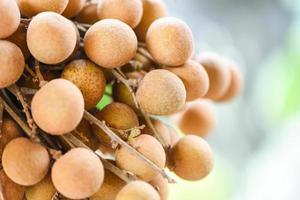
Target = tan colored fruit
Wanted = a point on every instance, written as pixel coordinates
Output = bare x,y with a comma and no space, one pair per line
174,136
58,107
51,38
44,190
11,63
153,10
88,14
29,8
128,11
116,115
92,87
110,187
10,18
110,43
194,78
25,162
170,41
161,93
162,186
191,158
150,148
9,189
138,190
198,118
73,8
218,73
78,174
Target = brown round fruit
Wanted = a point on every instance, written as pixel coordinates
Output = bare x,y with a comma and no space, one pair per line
43,190
191,158
110,43
88,14
73,8
138,190
161,93
92,87
128,11
78,174
51,38
25,162
153,10
11,63
150,148
58,107
162,186
10,18
170,41
9,189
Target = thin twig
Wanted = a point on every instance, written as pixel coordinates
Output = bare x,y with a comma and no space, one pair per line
1,117
39,74
28,91
30,71
145,53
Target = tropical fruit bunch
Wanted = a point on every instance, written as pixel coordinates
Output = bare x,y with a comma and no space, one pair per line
87,89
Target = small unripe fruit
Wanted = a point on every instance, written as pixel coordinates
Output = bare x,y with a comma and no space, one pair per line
73,8
161,185
88,14
43,190
191,158
170,41
10,18
78,174
138,190
58,107
150,148
128,11
153,10
51,38
161,93
9,189
110,43
11,63
25,162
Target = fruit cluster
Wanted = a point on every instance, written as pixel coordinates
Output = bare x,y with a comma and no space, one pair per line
59,58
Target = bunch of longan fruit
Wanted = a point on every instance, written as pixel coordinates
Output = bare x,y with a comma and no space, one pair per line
60,58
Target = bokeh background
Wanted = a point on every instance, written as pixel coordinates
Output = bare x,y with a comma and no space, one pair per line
257,138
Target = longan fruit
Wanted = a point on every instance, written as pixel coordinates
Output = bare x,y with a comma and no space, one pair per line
25,162
51,38
92,87
44,190
191,158
218,73
153,10
9,189
10,18
150,148
88,14
194,78
110,43
161,185
170,41
128,11
138,190
78,174
58,107
116,115
12,63
161,93
73,8
110,187
198,118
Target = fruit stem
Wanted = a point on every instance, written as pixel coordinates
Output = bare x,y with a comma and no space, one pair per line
1,117
39,74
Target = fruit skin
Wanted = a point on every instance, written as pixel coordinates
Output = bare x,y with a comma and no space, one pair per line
78,174
10,18
9,189
12,63
51,38
161,93
43,190
191,158
25,162
170,41
92,87
58,107
150,148
110,187
110,43
88,14
128,11
162,186
153,10
194,78
138,190
73,8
